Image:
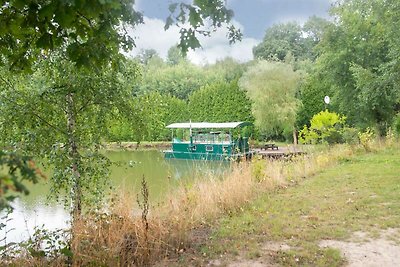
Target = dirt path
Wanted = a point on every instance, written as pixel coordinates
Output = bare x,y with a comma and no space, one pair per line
364,251
361,250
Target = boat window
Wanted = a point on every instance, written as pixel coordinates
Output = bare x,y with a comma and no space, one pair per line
209,148
227,139
193,148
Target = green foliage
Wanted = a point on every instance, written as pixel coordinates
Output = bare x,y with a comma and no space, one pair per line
312,93
278,41
147,55
220,102
200,18
43,246
59,116
358,62
272,87
19,169
350,136
176,80
175,56
282,39
258,170
227,69
150,114
326,127
183,78
366,139
91,32
396,124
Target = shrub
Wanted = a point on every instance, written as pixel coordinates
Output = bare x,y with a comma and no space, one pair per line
326,127
350,136
396,124
366,139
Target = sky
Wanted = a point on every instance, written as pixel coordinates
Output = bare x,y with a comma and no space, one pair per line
253,17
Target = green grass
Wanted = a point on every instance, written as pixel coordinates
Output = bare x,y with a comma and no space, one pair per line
359,194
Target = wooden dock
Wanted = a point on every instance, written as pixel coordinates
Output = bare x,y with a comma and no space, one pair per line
285,152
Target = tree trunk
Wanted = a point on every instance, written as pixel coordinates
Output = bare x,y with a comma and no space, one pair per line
74,156
295,140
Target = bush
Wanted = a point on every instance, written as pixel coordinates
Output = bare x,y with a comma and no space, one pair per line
350,136
366,139
396,124
326,127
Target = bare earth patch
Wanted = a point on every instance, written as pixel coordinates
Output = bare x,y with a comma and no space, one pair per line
265,258
363,250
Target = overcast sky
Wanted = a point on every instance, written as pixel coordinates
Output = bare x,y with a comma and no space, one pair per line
252,16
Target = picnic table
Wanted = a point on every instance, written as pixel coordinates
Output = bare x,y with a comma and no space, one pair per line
269,146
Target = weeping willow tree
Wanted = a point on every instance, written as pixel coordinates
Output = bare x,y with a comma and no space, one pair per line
272,87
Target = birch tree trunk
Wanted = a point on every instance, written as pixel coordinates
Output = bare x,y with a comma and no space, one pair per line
74,156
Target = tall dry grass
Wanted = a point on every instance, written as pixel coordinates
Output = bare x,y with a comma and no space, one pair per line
121,237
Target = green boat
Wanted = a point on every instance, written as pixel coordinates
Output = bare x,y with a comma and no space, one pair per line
209,141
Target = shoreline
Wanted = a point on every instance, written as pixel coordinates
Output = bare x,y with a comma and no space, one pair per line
135,146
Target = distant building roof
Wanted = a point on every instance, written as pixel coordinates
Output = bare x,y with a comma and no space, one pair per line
208,125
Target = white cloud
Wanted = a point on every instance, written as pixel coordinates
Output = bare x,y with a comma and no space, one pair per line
217,47
151,35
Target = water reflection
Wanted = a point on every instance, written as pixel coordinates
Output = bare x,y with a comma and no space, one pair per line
161,176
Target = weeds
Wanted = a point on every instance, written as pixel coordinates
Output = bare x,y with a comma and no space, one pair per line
121,236
43,248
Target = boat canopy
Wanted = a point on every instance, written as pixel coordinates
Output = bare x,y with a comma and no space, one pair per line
208,125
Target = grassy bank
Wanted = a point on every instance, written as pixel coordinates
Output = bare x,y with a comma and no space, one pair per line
298,202
360,194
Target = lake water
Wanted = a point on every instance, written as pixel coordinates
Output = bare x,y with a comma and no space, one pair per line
161,176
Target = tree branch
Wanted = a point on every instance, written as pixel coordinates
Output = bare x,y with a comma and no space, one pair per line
30,111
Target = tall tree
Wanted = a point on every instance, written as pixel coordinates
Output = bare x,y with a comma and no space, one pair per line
147,55
175,55
220,102
151,113
272,87
178,80
59,116
357,61
282,39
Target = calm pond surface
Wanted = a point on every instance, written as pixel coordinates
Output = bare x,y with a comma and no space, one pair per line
161,176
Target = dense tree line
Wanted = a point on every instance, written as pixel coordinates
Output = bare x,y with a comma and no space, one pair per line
353,58
358,63
71,98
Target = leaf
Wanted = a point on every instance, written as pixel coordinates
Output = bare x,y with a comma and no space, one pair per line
172,7
66,252
195,18
45,41
168,23
37,253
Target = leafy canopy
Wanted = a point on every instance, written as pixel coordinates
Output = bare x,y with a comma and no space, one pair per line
220,102
272,88
94,32
358,63
42,105
281,39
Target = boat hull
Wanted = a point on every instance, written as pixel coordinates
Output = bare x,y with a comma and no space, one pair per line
169,154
